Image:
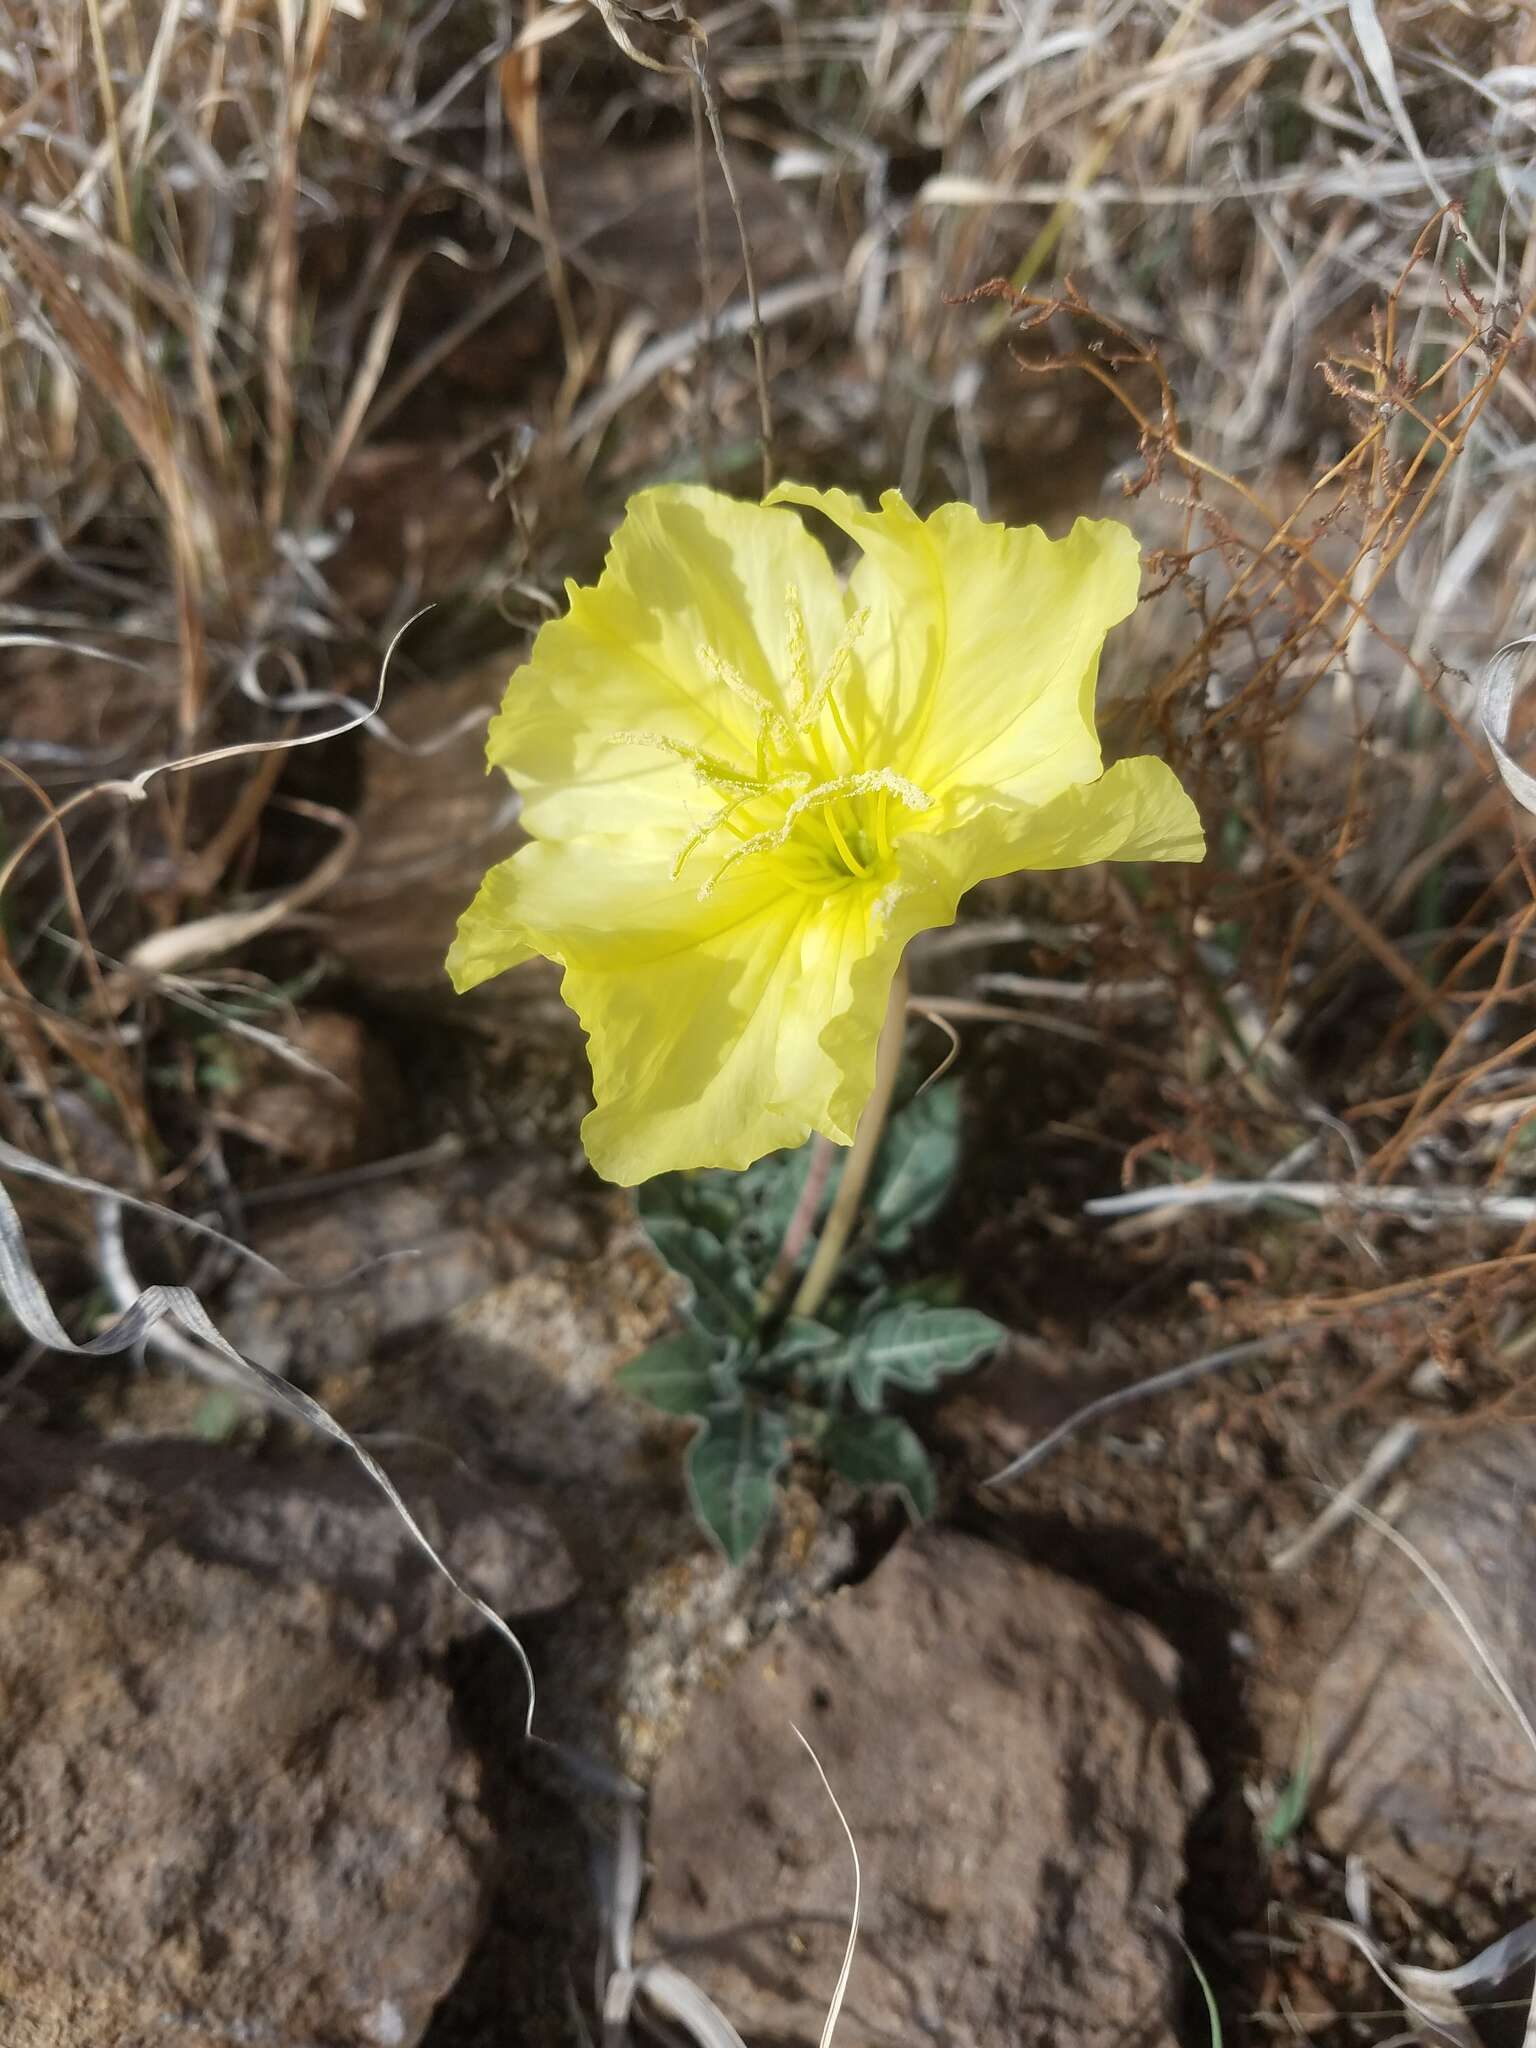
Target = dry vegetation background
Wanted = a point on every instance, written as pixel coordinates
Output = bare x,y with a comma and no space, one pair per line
312,316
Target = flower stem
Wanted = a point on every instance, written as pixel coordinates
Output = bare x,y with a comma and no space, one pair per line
797,1236
822,1271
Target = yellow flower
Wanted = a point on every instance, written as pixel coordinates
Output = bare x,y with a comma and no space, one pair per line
747,788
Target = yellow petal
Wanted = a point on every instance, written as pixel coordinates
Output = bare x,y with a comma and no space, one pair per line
1135,811
711,1056
926,893
489,938
982,661
688,569
704,1020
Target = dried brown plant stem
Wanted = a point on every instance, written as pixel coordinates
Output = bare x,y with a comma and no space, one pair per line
31,1024
1385,539
1488,1273
1163,436
1510,934
1450,1087
121,204
704,420
1354,919
699,66
519,79
301,71
842,1216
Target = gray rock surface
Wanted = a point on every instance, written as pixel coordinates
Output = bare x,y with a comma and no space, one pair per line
1421,1768
234,1804
1008,1752
519,1383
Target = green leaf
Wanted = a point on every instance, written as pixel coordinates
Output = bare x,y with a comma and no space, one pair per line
880,1450
732,1465
806,1353
710,1201
917,1165
678,1374
913,1347
770,1188
803,1340
724,1299
766,1196
747,1211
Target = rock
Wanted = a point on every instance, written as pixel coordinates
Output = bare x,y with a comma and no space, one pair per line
1008,1752
330,1524
384,1260
1420,1767
520,1383
233,1799
344,1105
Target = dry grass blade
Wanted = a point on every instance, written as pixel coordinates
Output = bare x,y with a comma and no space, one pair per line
1158,1383
300,76
1496,694
1377,53
1454,1607
840,1991
134,787
681,346
678,1999
13,1160
1390,1450
1423,1205
206,938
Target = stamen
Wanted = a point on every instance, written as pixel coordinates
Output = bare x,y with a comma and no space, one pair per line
837,719
833,676
907,794
731,677
710,826
718,774
823,794
798,648
795,779
855,865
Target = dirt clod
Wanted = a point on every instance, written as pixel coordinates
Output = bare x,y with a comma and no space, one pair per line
1423,1769
236,1804
1007,1750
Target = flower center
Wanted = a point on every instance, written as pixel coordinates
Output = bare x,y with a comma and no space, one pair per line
823,825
